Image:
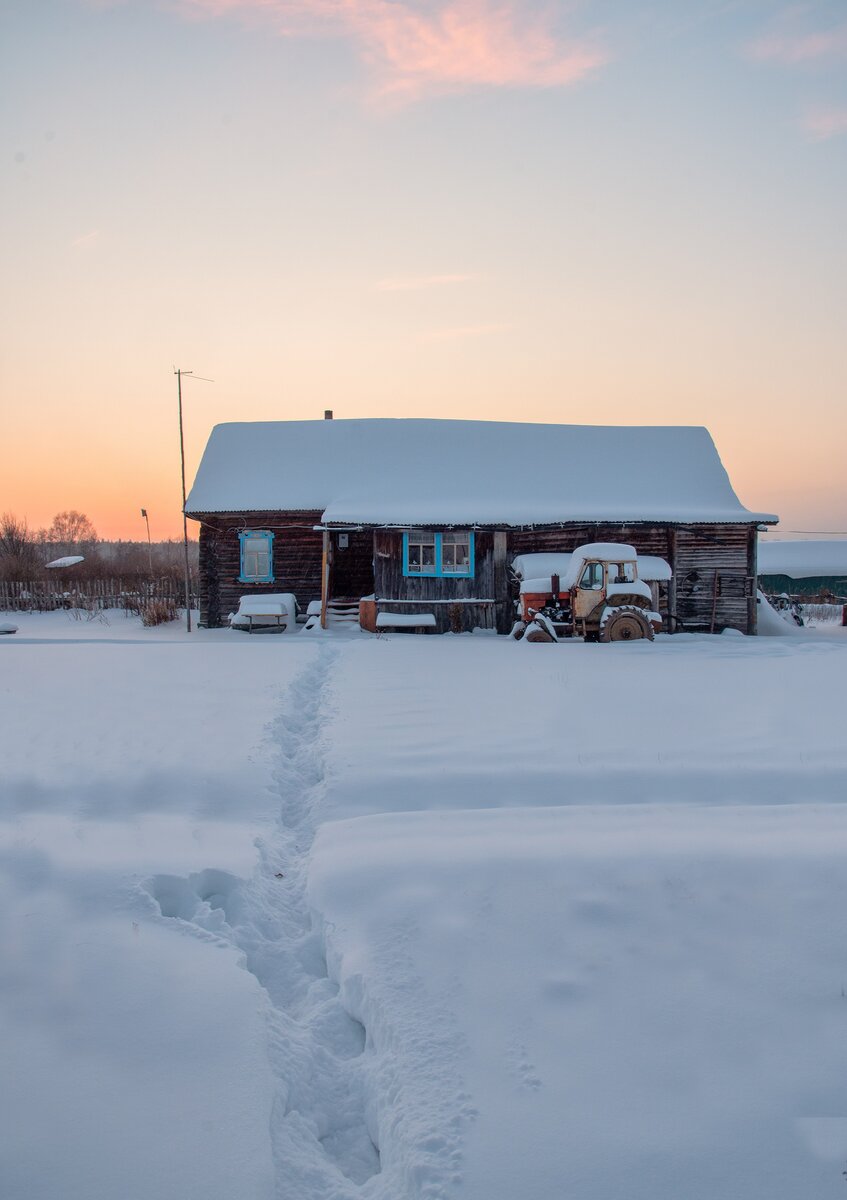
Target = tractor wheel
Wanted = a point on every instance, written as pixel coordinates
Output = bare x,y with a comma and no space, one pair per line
626,625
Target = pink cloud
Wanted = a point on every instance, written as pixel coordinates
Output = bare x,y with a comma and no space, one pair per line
790,45
415,50
824,123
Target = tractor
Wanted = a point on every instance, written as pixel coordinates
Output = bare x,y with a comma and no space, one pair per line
599,598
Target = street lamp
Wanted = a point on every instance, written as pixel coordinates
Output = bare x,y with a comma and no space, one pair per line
149,543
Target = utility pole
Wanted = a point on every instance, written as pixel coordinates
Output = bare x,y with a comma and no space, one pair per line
149,543
179,374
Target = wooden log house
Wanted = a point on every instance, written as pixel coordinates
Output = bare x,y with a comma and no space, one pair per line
423,517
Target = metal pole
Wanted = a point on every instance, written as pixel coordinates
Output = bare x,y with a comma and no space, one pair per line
179,374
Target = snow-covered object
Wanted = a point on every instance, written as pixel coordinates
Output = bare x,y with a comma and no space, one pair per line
653,569
7,627
279,608
802,560
536,570
769,622
541,566
386,620
637,588
602,551
69,560
410,471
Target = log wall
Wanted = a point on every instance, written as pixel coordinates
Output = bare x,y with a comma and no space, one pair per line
713,586
296,560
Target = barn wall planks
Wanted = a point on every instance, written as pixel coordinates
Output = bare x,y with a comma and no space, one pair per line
456,604
697,554
715,578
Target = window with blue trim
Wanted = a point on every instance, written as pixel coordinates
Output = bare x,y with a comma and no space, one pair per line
438,555
257,556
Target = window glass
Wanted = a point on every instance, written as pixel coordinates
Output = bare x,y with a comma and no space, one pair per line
257,557
621,572
438,554
421,552
592,577
455,553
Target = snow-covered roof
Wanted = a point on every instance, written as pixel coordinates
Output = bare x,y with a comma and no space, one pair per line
802,560
409,471
69,560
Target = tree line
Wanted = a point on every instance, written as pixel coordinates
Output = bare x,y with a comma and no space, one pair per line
25,553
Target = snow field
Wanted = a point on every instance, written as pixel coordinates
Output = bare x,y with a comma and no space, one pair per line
350,918
637,1001
136,1062
487,723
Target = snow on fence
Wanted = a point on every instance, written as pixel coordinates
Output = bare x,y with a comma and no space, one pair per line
93,594
823,614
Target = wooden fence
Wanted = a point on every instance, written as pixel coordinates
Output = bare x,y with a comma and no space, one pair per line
92,594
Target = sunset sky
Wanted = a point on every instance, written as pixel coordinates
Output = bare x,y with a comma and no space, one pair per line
614,211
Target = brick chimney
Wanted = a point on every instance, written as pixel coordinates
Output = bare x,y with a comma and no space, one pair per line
327,414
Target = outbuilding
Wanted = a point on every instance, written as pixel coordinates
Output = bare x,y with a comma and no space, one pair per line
414,518
803,568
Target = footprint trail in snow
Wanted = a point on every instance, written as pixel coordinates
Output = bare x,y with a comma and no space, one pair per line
323,1126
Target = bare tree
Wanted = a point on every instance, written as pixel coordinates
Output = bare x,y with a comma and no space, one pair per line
71,533
19,557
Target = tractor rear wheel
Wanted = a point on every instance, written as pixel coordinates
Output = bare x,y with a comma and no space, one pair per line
626,625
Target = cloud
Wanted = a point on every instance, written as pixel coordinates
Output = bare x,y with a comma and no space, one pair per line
824,123
413,50
793,46
86,239
417,283
460,332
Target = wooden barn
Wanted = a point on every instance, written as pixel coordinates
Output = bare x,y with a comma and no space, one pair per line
418,520
803,569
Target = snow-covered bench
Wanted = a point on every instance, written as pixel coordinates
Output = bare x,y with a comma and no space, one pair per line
277,610
419,622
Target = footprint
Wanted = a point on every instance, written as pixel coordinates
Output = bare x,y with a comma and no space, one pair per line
521,1068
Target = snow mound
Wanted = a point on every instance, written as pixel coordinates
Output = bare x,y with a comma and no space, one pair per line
770,623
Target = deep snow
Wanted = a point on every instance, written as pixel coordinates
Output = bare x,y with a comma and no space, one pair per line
338,916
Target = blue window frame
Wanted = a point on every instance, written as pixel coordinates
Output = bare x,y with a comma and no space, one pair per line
257,556
431,555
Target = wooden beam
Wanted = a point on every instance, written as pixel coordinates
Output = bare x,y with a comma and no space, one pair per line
324,578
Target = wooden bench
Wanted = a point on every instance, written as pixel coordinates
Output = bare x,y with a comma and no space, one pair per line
277,611
416,622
